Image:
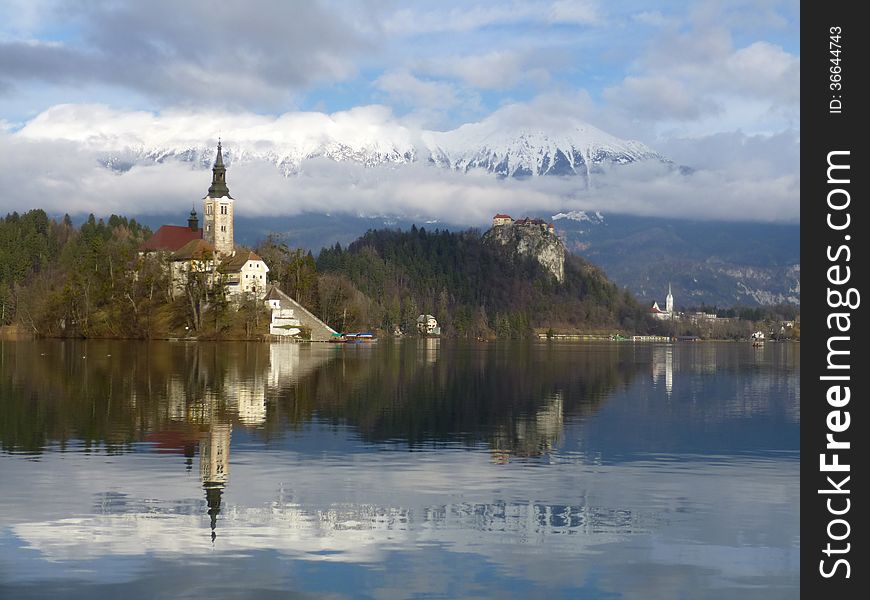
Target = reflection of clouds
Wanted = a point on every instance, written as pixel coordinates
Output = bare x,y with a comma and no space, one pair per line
665,520
360,509
343,532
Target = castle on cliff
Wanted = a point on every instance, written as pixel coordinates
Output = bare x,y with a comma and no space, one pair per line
530,237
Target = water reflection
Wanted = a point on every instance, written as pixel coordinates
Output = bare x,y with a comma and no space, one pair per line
555,465
214,467
663,365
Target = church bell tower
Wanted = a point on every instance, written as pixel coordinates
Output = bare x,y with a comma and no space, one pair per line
218,210
669,301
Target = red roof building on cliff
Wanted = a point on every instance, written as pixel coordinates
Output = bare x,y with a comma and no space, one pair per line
501,219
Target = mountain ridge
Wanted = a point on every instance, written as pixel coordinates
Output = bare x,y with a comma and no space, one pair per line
567,147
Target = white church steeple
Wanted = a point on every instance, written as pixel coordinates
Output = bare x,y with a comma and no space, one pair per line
669,301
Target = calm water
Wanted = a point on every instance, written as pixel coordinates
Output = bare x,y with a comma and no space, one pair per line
413,469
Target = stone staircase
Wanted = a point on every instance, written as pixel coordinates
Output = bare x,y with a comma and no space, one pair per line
320,331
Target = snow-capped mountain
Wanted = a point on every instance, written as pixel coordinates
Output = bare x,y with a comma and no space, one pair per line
577,149
363,136
579,216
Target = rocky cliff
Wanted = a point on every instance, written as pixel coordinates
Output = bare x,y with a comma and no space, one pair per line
536,240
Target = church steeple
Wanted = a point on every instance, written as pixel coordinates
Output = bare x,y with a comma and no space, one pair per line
218,188
218,210
193,220
669,301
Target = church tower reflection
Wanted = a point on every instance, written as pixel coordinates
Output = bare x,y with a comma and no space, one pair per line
663,365
214,466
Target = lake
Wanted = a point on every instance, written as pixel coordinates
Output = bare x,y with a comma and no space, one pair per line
420,468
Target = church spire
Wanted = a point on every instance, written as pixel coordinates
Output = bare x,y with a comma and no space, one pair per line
218,187
193,220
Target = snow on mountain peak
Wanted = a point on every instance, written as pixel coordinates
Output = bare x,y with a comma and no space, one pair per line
579,215
369,135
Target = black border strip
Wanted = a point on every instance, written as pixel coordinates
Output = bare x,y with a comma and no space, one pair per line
833,121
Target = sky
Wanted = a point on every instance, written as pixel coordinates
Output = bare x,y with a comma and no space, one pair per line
712,85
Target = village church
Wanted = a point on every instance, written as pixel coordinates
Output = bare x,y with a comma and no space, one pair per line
210,249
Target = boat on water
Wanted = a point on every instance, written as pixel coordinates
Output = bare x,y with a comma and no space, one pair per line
360,338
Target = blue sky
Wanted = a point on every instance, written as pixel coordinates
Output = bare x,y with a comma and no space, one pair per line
694,80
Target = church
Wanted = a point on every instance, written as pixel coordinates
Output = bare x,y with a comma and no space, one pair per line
210,249
668,313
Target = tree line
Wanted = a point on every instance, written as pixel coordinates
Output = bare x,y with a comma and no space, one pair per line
57,279
387,278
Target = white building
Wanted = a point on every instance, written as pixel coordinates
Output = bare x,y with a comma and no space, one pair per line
668,312
210,253
244,273
427,325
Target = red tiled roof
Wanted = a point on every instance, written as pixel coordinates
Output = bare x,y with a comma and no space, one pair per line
235,263
194,249
170,238
501,216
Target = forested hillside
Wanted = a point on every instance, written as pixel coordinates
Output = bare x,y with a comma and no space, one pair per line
56,276
471,287
57,279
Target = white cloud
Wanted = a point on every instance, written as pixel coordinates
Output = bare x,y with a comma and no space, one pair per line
57,161
698,83
405,88
656,98
204,54
465,17
498,69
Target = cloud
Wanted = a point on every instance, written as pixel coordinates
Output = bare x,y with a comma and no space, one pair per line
465,17
208,53
409,90
58,162
657,98
498,69
697,83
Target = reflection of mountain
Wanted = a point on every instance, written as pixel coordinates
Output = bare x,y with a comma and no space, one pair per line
344,531
389,507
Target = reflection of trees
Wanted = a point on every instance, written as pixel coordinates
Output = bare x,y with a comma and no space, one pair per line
503,395
114,394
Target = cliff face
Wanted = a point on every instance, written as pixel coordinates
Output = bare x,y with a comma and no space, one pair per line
536,241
